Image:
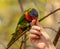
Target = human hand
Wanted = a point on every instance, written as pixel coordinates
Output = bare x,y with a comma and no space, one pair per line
35,35
38,37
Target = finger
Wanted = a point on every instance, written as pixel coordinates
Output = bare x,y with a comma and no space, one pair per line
32,31
34,22
33,36
36,28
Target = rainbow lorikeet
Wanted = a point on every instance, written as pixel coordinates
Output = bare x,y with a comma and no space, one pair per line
23,24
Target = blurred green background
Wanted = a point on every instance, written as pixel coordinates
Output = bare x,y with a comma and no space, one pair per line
11,10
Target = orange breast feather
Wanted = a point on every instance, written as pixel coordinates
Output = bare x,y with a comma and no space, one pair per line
28,17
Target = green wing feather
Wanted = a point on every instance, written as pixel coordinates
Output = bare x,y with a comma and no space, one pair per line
21,24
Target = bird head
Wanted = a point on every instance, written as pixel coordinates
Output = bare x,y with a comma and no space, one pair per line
31,14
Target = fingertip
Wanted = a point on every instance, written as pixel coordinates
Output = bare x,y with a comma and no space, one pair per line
33,22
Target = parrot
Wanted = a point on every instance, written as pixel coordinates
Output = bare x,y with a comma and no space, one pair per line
24,23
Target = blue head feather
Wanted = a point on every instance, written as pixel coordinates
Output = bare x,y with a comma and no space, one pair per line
33,13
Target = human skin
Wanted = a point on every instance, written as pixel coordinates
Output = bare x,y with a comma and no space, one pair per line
39,38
